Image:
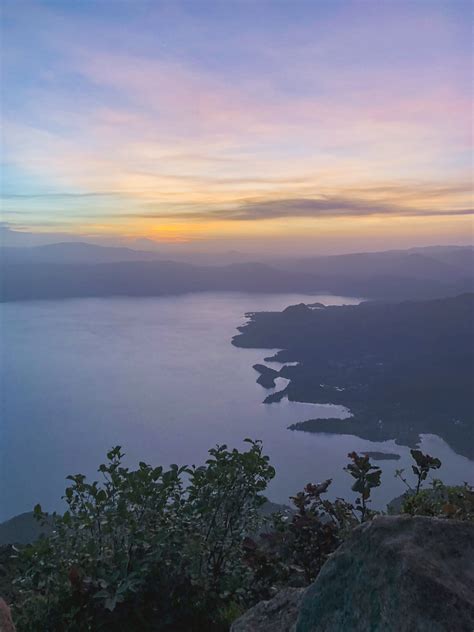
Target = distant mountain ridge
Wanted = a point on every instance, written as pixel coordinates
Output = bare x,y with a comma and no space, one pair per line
429,262
69,270
73,252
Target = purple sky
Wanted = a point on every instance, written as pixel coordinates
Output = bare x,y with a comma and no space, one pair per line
327,125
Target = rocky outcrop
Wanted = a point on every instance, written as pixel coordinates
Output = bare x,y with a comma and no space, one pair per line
394,574
6,623
276,615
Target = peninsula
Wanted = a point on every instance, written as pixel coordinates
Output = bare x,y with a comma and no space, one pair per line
402,369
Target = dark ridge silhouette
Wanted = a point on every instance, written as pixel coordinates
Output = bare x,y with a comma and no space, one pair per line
82,270
74,252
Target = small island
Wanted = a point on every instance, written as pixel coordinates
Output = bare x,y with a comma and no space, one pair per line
382,456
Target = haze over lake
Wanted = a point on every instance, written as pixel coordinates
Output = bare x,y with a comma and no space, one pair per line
160,377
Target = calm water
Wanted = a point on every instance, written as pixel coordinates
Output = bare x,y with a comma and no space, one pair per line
160,377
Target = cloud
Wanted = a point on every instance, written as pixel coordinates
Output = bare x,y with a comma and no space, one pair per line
304,207
322,207
106,132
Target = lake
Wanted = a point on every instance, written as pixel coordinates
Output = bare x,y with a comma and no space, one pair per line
160,377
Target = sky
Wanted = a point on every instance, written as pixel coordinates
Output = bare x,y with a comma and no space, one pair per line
322,125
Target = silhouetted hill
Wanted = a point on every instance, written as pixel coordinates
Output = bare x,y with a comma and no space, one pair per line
82,270
438,262
73,252
21,529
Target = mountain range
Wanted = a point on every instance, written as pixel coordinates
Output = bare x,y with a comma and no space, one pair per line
73,269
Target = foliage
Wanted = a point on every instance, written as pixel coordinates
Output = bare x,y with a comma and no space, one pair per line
442,501
366,477
9,568
187,548
142,550
295,550
424,463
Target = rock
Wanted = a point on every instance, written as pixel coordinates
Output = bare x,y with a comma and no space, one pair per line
276,615
6,623
396,574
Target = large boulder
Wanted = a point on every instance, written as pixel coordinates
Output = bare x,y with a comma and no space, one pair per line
276,615
396,574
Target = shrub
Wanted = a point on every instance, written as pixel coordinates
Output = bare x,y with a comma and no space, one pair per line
441,501
143,550
295,549
187,549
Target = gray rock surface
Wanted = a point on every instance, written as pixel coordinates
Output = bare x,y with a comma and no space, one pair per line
396,574
276,615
